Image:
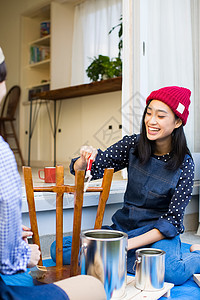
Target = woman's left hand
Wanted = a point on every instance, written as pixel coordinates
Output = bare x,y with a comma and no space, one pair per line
26,232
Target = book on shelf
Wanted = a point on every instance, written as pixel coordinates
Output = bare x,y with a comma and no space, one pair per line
39,53
44,28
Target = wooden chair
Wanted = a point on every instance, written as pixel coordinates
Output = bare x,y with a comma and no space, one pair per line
59,271
8,115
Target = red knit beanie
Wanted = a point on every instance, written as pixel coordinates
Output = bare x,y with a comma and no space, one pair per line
177,98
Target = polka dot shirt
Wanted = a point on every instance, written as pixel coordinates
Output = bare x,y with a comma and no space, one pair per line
117,157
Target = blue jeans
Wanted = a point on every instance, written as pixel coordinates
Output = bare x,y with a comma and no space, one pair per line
179,267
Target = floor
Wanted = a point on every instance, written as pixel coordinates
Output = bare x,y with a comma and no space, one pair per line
190,237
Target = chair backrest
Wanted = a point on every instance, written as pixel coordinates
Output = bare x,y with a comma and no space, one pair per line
60,189
11,101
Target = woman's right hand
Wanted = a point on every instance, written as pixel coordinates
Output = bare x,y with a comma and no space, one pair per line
35,256
85,153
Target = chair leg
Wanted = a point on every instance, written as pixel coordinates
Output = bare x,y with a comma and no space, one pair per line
3,131
31,205
17,142
59,217
78,203
106,184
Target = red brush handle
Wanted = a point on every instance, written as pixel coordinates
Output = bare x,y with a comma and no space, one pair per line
89,164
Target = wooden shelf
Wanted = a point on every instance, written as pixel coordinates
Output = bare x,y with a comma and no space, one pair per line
40,63
43,41
93,88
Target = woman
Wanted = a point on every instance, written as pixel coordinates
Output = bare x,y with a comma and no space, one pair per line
15,253
160,181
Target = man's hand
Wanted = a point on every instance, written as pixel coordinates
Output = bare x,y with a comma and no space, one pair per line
26,232
35,255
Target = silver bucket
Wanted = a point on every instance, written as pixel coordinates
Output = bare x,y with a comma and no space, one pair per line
104,256
150,269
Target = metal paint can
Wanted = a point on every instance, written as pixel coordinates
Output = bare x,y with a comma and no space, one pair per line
104,256
150,269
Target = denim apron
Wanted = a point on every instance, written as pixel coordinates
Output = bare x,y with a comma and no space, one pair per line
148,194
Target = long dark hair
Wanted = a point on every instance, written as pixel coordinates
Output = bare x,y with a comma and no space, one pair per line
145,148
3,71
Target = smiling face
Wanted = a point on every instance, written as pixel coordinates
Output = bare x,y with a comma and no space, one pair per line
160,121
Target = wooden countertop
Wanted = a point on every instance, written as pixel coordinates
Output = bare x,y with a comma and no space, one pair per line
96,87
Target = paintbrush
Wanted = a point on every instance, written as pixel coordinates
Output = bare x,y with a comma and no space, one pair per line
88,175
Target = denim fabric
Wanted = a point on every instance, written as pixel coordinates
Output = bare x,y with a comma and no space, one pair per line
149,191
150,185
179,267
67,244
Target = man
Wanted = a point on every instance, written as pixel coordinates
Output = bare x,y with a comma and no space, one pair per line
15,253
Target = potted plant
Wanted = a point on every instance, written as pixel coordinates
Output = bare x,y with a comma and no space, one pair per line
102,67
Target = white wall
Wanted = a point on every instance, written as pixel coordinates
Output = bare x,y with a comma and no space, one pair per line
10,13
82,120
